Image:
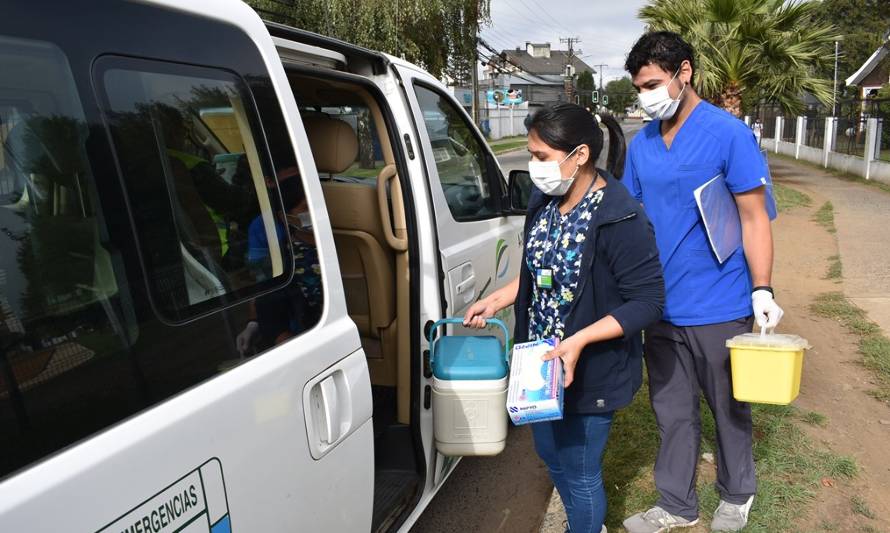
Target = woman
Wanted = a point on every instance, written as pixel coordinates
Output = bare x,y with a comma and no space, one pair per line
590,277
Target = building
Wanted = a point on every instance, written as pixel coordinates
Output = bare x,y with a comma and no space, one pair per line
875,72
537,70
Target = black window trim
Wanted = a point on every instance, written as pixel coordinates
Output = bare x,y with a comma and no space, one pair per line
101,65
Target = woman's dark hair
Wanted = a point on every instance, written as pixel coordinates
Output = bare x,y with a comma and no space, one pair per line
566,126
663,48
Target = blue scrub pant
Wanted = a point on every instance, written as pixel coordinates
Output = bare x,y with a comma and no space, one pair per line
572,449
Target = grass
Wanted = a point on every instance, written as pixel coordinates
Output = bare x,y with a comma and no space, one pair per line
825,217
873,345
790,466
860,507
815,419
835,268
501,148
788,198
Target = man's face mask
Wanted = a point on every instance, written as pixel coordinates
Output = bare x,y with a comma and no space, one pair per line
658,103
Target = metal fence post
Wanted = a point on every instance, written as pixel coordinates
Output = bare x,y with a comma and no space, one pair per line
780,122
799,133
828,141
871,139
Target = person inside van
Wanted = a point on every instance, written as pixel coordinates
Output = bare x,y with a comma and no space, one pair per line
280,315
590,277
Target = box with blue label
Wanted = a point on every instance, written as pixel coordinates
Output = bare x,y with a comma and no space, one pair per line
536,388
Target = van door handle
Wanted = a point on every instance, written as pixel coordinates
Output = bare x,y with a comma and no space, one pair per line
330,431
466,284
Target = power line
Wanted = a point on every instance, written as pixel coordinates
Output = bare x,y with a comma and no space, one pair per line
545,12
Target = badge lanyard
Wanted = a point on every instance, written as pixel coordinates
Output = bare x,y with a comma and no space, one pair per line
544,275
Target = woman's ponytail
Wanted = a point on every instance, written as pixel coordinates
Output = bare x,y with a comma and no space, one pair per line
617,147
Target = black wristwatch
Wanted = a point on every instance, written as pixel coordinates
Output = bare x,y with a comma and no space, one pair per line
766,288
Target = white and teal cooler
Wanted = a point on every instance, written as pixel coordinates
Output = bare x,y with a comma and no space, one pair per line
469,391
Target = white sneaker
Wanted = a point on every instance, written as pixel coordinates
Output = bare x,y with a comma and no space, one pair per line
656,520
730,516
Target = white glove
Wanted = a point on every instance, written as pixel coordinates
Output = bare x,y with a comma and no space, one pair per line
243,340
767,312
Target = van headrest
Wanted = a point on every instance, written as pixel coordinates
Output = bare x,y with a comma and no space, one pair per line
333,142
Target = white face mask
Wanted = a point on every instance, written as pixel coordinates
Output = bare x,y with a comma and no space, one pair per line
658,103
547,176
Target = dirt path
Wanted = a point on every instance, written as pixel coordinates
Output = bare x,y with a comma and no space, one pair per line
834,383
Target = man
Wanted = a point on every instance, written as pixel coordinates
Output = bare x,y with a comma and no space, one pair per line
688,143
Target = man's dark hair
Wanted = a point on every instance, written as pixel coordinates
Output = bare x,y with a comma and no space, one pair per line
663,48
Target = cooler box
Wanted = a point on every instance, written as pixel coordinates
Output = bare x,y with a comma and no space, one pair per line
766,368
469,391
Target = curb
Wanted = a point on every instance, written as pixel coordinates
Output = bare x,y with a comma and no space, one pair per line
555,517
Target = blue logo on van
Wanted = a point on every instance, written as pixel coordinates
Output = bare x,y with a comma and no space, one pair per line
196,501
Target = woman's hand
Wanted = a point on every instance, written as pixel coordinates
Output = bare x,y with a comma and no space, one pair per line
487,307
569,350
479,311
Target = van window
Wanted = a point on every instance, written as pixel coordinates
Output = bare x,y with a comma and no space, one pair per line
369,161
60,305
200,188
82,346
464,171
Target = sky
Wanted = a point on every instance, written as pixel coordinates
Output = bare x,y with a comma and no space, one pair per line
607,28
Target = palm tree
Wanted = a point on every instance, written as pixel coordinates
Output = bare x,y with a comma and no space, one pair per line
768,50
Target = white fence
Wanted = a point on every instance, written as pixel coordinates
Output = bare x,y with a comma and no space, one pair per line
503,122
867,165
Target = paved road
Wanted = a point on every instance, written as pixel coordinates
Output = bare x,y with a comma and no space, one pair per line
506,493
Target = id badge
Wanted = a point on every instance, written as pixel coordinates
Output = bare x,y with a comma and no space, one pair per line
544,278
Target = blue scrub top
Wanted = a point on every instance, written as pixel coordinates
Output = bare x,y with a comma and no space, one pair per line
699,290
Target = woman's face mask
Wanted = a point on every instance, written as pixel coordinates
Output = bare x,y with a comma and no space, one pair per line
547,175
658,103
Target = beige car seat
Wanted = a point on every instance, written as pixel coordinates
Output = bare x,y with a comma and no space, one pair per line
367,263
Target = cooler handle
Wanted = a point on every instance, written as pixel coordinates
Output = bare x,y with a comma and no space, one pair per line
458,320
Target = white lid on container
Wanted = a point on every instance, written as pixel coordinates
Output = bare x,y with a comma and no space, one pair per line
773,341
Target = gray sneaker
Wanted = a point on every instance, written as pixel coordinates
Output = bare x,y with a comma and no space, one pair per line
731,517
656,520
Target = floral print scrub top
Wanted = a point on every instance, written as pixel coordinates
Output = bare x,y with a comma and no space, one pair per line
556,242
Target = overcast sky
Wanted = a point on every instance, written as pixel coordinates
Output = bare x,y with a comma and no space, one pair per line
607,28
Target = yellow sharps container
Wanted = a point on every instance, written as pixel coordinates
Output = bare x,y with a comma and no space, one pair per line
766,368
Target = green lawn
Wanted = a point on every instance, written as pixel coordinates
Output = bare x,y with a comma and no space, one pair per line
790,466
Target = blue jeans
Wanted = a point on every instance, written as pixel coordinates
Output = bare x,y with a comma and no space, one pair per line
572,449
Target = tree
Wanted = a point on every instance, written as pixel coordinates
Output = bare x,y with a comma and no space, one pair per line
585,81
621,95
439,35
774,49
863,24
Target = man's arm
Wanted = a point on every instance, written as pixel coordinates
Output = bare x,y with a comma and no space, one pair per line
757,236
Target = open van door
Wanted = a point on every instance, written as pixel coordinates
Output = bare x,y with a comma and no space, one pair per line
480,242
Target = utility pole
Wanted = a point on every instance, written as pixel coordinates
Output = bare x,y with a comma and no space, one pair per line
602,89
600,68
569,72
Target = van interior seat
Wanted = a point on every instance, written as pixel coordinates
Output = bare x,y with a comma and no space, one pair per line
367,263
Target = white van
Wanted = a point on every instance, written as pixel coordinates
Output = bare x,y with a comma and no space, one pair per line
221,245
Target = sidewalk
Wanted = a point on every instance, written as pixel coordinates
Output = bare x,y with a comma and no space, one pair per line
862,219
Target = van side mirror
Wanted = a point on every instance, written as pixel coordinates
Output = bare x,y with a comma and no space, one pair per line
519,190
